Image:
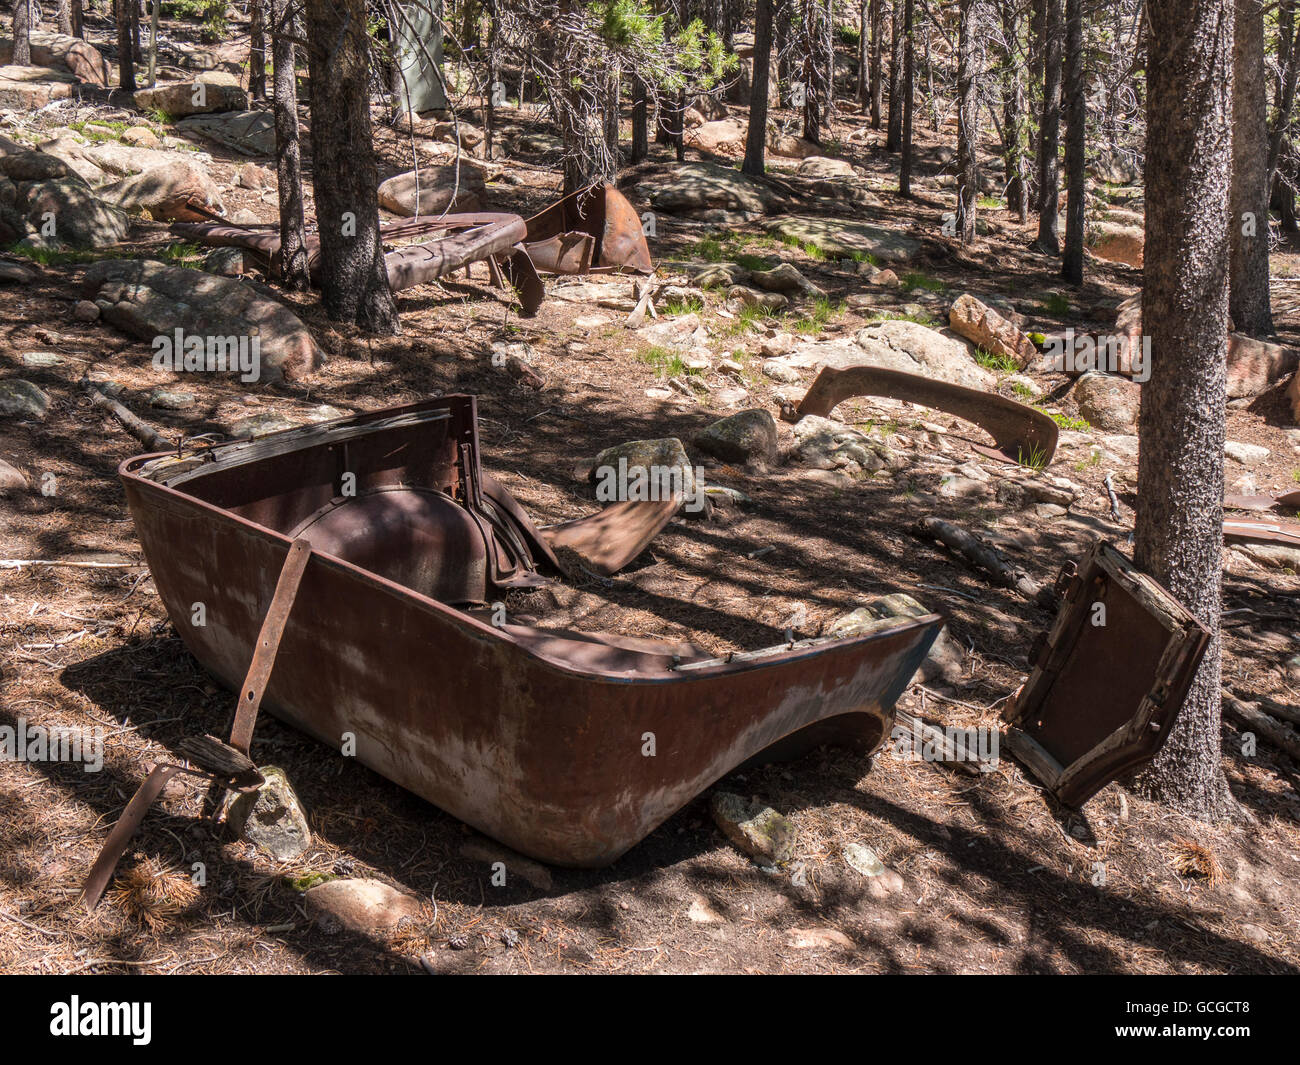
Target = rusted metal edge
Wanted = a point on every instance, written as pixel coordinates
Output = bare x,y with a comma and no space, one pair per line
1260,531
1020,433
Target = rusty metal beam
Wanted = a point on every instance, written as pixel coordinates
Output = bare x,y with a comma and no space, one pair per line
1020,433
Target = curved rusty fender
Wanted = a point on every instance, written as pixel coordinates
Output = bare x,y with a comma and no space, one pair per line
1021,434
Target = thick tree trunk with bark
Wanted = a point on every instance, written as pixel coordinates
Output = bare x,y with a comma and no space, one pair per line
288,151
756,135
125,45
22,33
894,130
78,22
1076,120
1179,537
1049,132
909,81
1248,298
968,176
354,281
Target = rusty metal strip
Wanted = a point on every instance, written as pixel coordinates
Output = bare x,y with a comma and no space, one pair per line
611,538
223,766
1021,434
127,825
268,643
1281,503
1253,530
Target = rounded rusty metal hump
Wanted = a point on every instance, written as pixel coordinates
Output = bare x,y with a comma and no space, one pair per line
416,537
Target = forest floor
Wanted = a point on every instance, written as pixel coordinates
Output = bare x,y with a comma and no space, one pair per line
995,877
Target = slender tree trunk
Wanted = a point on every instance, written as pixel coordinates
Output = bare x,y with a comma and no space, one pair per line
1049,132
256,49
63,17
894,129
1179,533
125,45
610,117
22,33
968,175
756,135
864,53
354,281
877,59
679,132
152,68
1075,141
1013,113
640,122
909,95
292,264
78,20
1248,299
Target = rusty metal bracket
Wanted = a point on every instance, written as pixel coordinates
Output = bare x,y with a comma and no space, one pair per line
226,765
1020,433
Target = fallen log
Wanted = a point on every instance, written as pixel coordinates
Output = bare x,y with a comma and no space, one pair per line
1276,733
984,557
137,427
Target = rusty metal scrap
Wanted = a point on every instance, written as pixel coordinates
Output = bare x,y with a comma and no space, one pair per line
1020,433
593,230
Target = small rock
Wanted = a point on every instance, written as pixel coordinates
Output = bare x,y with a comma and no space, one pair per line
781,371
253,176
749,436
42,359
944,662
224,262
16,273
141,137
701,911
271,818
1108,402
785,278
756,829
22,399
85,311
1246,454
12,480
484,850
170,399
818,939
360,905
752,297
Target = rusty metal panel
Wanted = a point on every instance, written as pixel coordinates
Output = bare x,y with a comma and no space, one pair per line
1108,679
1020,433
532,735
593,230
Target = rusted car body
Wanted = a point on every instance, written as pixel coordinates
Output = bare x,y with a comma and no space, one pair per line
567,746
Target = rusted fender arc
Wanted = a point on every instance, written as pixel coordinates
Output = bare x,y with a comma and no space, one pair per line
611,538
593,230
1020,433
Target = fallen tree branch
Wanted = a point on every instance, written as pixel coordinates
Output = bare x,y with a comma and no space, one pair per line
137,427
1276,733
986,558
1271,706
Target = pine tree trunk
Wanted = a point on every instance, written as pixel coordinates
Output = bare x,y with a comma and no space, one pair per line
864,53
22,33
877,60
125,48
354,281
63,17
256,49
1248,298
968,175
78,20
1179,537
909,82
756,135
292,262
1076,106
1049,133
640,122
894,129
1013,114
